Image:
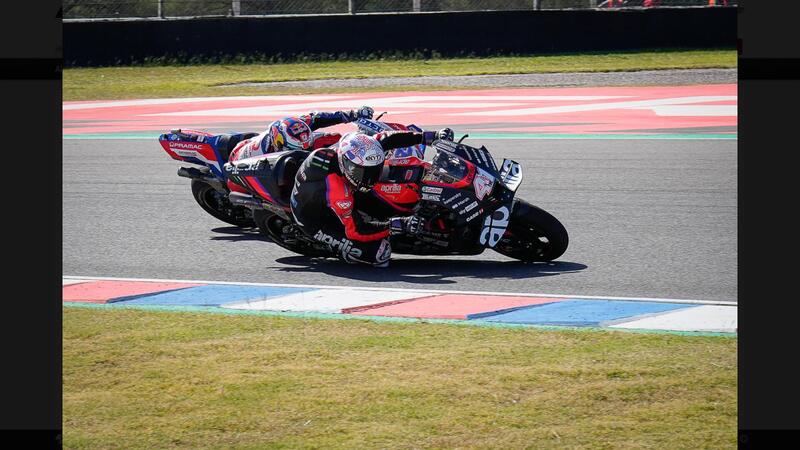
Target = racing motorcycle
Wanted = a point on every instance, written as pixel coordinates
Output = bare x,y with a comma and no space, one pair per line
468,202
209,182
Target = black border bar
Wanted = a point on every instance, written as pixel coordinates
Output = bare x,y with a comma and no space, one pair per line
769,68
30,68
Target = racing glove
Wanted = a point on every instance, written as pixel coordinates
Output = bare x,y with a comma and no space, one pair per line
365,111
445,134
410,225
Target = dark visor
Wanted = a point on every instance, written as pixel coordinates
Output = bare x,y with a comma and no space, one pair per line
368,176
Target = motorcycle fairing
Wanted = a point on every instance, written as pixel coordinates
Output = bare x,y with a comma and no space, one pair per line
478,156
449,170
194,147
511,174
268,176
494,226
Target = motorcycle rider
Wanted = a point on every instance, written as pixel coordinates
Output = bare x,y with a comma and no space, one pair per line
297,133
323,203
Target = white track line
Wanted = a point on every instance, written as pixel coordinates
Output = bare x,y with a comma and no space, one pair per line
433,292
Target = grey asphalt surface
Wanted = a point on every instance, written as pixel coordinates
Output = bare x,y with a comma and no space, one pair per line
576,79
646,218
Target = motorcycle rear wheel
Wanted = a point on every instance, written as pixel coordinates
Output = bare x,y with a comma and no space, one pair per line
533,235
286,234
218,205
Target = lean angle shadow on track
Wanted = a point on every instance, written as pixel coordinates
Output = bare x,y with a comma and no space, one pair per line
424,270
409,269
235,234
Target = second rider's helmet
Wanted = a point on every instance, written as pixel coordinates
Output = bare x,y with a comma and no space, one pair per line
291,134
360,160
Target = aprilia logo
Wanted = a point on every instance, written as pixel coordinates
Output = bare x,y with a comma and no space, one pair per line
391,188
345,247
495,226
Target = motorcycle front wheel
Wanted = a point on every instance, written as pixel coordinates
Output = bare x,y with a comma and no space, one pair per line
218,205
533,234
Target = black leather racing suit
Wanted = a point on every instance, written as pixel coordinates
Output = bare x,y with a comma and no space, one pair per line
323,204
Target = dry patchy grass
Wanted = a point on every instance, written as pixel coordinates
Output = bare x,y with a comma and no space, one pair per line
147,379
210,80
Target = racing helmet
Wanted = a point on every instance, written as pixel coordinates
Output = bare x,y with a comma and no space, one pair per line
291,134
360,160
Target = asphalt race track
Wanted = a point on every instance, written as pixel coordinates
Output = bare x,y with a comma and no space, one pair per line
647,218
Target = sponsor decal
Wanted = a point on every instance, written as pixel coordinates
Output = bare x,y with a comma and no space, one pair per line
404,152
495,226
460,202
483,183
296,128
384,251
391,188
373,157
409,174
369,125
343,246
456,196
432,190
447,146
475,214
489,160
432,197
185,145
344,204
471,206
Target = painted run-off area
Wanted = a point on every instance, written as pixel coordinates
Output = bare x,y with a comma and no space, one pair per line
708,111
479,309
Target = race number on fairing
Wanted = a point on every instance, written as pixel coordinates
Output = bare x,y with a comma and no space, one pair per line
495,226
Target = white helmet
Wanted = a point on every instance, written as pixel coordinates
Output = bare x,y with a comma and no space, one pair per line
360,160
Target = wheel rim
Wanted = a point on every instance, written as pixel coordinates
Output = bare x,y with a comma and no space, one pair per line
282,229
285,234
526,240
219,202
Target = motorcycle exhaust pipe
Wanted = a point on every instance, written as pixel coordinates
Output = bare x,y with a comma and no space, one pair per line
194,174
191,172
245,200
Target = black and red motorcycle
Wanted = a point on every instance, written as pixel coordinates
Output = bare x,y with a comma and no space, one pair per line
468,202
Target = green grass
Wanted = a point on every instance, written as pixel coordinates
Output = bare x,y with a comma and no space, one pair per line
213,80
155,379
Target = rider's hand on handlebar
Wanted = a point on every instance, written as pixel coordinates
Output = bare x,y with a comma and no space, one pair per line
364,112
445,134
406,225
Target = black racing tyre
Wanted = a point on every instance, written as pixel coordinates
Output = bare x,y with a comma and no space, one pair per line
287,235
218,205
533,234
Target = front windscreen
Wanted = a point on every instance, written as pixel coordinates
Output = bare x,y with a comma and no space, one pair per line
446,168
